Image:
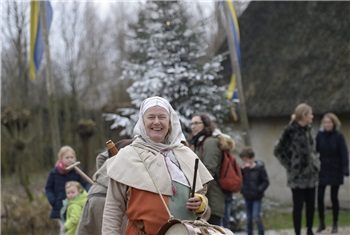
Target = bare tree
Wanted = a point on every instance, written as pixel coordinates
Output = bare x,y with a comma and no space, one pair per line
15,92
15,66
95,63
17,126
123,15
83,52
68,57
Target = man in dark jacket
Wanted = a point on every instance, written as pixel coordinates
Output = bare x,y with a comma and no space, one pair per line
255,182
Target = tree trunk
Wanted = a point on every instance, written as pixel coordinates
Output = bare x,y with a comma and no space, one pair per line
22,173
85,157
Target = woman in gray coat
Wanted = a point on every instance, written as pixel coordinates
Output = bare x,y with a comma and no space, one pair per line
209,150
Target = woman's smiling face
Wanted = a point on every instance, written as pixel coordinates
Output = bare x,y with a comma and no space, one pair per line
157,122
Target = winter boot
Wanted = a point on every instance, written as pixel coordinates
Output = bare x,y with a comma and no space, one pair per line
321,227
334,228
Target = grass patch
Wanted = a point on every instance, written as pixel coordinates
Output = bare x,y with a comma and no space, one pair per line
282,219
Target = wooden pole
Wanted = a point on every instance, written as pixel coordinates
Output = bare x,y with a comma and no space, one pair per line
55,133
237,72
194,177
80,172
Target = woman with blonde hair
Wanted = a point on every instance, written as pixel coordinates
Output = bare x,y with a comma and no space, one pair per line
331,145
295,150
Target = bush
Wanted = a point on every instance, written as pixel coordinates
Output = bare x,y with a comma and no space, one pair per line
20,216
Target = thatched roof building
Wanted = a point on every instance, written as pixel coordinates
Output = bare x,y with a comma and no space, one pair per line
295,52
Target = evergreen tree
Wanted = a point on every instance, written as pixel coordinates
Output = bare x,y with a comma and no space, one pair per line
167,61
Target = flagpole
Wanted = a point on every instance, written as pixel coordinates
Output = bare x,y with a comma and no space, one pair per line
237,72
55,134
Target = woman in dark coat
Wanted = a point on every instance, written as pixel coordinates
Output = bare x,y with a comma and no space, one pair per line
330,143
295,150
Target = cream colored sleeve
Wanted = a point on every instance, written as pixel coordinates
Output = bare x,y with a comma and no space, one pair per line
115,208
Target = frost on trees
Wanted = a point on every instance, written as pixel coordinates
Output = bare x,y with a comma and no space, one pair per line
167,60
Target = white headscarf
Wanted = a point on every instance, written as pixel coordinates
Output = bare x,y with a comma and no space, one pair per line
175,135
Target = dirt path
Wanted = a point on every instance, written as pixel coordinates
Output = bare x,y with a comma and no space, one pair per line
341,231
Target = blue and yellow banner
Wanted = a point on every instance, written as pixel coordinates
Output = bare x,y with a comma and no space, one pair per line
232,91
36,35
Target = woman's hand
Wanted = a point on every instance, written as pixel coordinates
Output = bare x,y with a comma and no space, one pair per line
193,203
197,204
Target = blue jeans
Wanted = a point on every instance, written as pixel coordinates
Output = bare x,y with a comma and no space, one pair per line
253,209
228,204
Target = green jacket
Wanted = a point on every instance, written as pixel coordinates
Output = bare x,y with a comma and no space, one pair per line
211,156
74,210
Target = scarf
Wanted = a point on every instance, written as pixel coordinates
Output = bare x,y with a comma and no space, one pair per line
61,169
198,139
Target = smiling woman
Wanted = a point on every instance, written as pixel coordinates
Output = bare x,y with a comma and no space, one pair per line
156,120
152,178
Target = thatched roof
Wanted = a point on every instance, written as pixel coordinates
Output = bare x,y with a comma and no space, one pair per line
295,52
